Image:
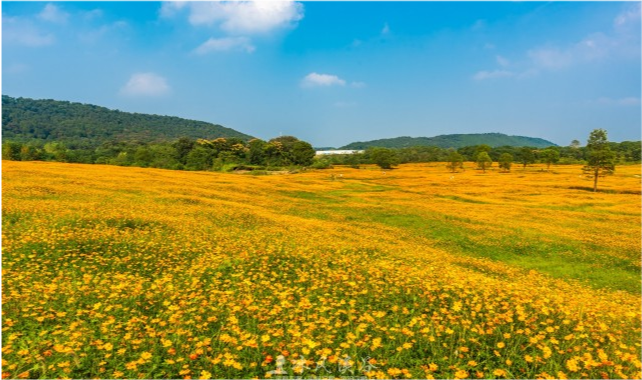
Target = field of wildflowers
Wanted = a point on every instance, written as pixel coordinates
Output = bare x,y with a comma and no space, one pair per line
112,272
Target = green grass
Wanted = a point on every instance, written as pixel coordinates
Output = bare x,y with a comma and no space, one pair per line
557,257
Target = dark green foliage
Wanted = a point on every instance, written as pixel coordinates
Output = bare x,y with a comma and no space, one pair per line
526,156
85,126
549,156
453,141
455,161
628,151
383,157
505,161
302,153
600,158
256,151
483,161
182,147
422,154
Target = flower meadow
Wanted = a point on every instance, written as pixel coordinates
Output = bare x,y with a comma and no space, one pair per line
113,272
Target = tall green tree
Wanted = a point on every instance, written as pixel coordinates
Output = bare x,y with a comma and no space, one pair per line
549,156
526,156
505,161
481,148
383,157
484,161
600,158
302,153
455,161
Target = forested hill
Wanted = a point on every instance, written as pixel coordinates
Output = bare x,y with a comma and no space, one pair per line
454,141
85,125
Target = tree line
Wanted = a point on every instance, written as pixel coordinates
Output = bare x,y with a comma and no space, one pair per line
228,154
505,156
224,154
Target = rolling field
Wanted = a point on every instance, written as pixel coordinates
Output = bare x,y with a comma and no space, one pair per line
112,272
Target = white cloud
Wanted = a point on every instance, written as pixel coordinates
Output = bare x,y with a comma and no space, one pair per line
551,58
622,41
629,101
225,44
16,68
19,31
482,75
628,16
53,14
503,62
145,84
322,80
239,17
93,14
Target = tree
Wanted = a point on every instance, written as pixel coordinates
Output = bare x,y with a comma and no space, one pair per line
256,152
183,146
481,148
383,157
302,153
484,161
600,158
11,151
526,156
505,161
550,156
455,161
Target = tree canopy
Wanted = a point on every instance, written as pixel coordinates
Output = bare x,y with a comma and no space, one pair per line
600,158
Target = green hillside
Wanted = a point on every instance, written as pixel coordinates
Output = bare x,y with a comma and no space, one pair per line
454,141
76,124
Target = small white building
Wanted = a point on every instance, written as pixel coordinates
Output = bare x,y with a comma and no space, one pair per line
326,152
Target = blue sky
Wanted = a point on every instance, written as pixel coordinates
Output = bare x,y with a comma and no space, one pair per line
336,72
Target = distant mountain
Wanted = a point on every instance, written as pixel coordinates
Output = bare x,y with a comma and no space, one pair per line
25,120
454,141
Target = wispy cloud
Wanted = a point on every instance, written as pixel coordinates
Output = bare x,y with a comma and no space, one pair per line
596,46
145,84
322,80
53,13
16,68
225,44
19,31
482,75
622,41
628,16
550,58
239,17
606,101
503,62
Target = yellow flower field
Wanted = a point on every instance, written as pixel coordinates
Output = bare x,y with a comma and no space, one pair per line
112,272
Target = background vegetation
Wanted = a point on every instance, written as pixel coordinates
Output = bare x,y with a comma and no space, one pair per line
84,126
453,141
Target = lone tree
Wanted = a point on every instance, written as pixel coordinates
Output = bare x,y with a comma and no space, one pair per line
505,161
600,158
455,161
484,161
526,156
383,157
550,156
